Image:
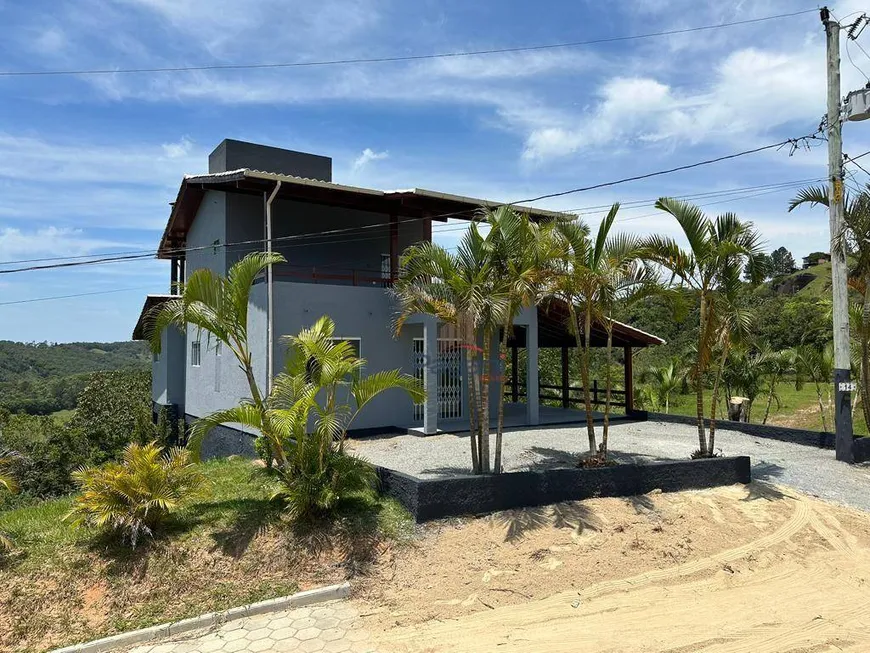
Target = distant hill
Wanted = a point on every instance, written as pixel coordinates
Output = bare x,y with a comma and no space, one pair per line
812,283
20,360
43,378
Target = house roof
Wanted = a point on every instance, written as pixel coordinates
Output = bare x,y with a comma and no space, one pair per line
553,331
410,203
151,301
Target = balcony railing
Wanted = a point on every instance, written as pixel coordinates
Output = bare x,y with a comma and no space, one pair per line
335,276
567,397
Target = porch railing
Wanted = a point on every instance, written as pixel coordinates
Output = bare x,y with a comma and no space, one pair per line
336,276
568,397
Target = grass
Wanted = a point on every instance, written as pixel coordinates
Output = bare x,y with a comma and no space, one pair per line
797,408
65,585
63,416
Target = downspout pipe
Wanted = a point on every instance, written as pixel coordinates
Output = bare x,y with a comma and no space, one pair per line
270,337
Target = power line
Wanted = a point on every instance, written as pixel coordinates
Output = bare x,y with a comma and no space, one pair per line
790,141
583,210
456,228
860,167
81,294
109,259
375,60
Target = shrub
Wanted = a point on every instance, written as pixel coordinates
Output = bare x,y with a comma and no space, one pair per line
316,478
7,484
132,497
113,410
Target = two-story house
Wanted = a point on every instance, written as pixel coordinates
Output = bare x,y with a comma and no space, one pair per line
342,246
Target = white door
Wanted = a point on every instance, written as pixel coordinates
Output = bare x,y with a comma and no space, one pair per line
449,368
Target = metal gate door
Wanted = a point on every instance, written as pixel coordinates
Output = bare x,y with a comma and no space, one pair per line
449,374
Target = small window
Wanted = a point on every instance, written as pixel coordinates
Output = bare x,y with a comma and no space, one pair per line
155,357
196,354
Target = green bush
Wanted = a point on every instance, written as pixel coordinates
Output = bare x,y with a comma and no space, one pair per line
132,498
316,478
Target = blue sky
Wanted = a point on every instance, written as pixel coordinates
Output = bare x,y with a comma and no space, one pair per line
89,164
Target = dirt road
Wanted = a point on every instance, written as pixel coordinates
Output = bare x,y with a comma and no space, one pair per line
800,584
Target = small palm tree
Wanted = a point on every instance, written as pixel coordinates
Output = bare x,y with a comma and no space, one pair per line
719,250
219,306
133,497
779,363
667,380
9,484
522,251
312,406
817,366
463,290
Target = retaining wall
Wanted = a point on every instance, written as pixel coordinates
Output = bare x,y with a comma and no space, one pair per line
465,495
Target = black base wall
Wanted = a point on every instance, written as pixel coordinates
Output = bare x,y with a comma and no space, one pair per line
783,433
465,495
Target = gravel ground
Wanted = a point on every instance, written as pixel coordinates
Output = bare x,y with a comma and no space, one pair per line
808,469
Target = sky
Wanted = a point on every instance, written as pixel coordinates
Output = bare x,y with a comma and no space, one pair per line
89,164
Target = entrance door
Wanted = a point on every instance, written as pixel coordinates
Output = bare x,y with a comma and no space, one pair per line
449,369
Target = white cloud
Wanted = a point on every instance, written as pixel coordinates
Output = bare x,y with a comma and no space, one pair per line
368,155
51,241
178,150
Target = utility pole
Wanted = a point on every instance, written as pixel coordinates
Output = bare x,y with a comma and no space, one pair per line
843,385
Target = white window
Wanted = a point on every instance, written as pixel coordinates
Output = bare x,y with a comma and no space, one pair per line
356,343
196,353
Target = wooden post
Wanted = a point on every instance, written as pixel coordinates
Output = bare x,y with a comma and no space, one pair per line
515,379
173,277
629,381
566,398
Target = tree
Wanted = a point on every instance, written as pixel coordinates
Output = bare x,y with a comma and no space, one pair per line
522,252
219,306
778,364
855,242
817,366
782,262
462,290
666,380
767,264
312,406
718,250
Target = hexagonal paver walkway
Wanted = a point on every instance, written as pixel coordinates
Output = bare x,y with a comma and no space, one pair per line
329,627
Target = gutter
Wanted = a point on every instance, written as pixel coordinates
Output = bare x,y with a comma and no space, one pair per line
270,363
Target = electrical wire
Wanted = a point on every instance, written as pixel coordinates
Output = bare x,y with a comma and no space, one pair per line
81,294
108,259
333,266
375,60
852,61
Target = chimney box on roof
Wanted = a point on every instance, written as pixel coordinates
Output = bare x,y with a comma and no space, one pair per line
232,155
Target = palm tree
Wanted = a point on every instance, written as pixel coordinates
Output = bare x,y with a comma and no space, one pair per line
312,406
817,366
463,290
667,380
219,306
577,281
855,241
522,251
718,251
779,363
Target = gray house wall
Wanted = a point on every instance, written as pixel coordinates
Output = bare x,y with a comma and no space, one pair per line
168,370
339,253
364,313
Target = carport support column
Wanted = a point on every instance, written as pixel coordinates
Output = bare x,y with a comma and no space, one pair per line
532,391
629,381
430,375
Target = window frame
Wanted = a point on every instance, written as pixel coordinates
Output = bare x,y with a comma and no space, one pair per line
196,353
